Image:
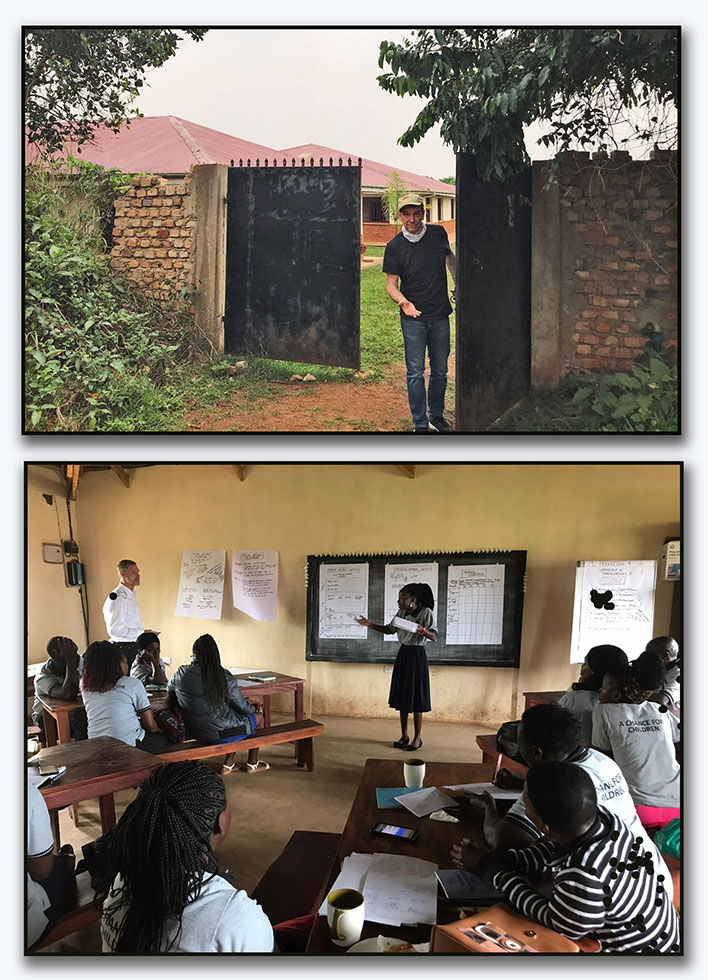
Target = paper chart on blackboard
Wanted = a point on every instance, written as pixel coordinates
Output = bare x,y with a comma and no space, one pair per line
475,604
201,584
396,576
344,595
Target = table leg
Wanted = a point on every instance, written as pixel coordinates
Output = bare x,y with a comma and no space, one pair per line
56,834
107,808
63,728
266,710
299,702
51,731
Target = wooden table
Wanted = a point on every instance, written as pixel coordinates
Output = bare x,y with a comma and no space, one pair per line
95,768
490,754
435,838
541,697
282,684
56,715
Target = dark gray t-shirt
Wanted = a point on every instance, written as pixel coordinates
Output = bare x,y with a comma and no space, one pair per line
421,269
200,717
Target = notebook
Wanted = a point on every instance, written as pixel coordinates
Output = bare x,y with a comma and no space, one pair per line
385,796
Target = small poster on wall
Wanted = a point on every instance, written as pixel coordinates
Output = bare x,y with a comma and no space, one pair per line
201,584
614,603
254,581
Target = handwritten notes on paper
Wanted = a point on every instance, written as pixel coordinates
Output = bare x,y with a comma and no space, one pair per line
396,576
344,594
425,801
614,603
401,890
254,582
201,584
475,604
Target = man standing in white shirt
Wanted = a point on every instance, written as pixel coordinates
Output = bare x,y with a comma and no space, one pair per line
121,613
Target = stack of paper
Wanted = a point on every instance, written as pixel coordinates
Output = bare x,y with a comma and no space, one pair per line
496,791
426,801
397,890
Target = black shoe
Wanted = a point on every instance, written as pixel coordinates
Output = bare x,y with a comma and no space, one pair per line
425,429
440,425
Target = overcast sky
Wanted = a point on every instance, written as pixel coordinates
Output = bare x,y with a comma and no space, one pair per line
287,86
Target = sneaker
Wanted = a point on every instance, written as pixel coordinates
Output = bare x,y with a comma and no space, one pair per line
425,429
440,425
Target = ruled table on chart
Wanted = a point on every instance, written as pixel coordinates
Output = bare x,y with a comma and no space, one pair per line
475,604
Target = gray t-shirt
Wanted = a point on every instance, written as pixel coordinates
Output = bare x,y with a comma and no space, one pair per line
641,739
200,716
115,712
144,671
581,704
424,617
222,919
612,794
39,843
48,683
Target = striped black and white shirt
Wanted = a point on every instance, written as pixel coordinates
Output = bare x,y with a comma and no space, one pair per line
605,886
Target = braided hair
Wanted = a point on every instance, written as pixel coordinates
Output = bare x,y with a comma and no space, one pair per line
102,669
161,850
422,593
639,680
205,654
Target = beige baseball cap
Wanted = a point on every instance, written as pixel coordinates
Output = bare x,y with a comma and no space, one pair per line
411,200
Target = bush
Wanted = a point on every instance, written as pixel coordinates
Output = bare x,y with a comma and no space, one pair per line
644,401
92,343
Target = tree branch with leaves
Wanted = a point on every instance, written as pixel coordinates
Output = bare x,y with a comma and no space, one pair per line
593,88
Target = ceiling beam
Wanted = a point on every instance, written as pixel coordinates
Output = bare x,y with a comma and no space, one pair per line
407,468
240,471
125,476
73,472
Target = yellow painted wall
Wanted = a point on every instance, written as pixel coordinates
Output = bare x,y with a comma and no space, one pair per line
559,514
53,608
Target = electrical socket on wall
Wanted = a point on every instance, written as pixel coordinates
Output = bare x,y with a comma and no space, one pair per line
388,669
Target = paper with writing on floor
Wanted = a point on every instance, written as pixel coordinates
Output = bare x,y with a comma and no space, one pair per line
401,890
496,791
426,801
352,875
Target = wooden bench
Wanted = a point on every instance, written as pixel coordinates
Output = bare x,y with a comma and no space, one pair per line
301,732
84,912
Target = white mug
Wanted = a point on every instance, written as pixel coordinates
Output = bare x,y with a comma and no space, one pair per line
345,916
413,773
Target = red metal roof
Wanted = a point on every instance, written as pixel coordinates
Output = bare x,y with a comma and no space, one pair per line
372,174
164,145
170,145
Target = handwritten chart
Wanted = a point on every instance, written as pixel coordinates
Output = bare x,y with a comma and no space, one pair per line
475,604
254,583
614,603
344,594
201,584
396,576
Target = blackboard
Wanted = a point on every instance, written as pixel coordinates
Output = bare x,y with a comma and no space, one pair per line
375,649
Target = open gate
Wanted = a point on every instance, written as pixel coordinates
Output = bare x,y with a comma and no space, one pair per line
293,262
493,314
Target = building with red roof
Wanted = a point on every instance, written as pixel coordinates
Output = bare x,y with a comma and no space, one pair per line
170,146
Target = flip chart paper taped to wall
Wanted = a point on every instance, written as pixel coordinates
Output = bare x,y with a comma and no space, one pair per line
614,603
201,584
254,582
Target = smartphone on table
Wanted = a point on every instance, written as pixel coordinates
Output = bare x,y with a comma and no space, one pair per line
389,830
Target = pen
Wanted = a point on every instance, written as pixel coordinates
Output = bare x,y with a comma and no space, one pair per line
497,768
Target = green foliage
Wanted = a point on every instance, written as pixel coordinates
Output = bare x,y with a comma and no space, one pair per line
98,355
447,180
644,401
392,194
77,79
484,85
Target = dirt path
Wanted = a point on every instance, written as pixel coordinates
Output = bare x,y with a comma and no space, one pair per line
316,406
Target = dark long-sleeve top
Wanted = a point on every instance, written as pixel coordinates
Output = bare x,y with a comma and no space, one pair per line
200,717
595,891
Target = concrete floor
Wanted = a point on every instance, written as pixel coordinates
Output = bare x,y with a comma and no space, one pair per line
268,807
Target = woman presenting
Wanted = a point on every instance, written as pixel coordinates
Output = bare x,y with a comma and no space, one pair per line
410,682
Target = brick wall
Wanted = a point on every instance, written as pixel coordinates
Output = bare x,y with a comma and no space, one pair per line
154,236
378,233
618,231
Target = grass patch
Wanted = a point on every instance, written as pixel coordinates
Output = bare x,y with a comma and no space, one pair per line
374,251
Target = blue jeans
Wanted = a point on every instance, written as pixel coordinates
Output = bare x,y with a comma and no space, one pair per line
417,335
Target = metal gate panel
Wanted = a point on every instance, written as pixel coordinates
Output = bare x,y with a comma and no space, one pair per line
493,316
293,263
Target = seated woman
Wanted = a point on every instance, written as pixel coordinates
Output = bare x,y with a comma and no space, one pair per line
50,877
212,705
147,666
583,696
115,703
59,678
640,736
162,890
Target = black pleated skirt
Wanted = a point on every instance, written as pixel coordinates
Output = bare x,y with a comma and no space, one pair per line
410,683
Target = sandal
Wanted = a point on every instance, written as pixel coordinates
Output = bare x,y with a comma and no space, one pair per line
259,766
401,743
414,748
226,769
